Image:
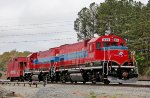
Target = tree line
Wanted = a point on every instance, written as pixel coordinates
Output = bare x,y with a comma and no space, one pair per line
127,18
6,56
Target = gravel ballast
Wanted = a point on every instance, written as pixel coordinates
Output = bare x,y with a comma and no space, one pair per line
6,93
85,91
78,91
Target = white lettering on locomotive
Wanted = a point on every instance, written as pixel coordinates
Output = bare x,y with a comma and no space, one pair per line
116,40
105,39
13,72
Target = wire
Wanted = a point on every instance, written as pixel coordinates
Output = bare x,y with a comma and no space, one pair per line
31,34
39,27
38,40
35,24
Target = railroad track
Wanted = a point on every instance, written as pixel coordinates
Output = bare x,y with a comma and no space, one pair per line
36,83
22,83
100,84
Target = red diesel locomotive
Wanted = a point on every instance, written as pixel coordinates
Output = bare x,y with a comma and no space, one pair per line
103,59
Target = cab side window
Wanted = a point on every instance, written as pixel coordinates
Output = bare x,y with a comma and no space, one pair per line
106,44
98,45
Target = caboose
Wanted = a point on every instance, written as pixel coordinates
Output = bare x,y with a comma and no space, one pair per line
16,68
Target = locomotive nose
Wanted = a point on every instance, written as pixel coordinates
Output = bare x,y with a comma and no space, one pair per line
120,57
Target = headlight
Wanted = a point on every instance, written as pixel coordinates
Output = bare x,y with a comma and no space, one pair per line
132,69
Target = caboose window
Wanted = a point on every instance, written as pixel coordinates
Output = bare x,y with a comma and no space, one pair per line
98,45
90,48
106,44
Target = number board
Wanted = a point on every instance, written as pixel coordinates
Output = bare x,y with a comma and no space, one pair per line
116,40
105,39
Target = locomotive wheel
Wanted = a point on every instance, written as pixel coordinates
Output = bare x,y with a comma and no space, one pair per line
63,81
52,80
11,79
71,81
84,82
21,79
106,81
93,82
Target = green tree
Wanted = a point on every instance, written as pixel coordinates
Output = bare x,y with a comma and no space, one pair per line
85,24
126,18
6,56
0,75
148,4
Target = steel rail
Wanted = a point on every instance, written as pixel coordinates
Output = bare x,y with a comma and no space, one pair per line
78,83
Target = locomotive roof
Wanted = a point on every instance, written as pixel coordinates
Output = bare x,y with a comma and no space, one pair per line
31,54
105,36
93,40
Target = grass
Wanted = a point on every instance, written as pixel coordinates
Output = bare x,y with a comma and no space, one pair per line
113,97
104,95
92,95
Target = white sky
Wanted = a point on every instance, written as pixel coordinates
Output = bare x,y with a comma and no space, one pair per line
36,25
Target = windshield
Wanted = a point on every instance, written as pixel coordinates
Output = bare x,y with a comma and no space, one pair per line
114,44
107,44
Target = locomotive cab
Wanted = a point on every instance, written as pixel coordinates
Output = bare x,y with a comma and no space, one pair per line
111,53
117,56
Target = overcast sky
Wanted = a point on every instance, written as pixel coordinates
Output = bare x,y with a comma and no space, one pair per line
37,25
